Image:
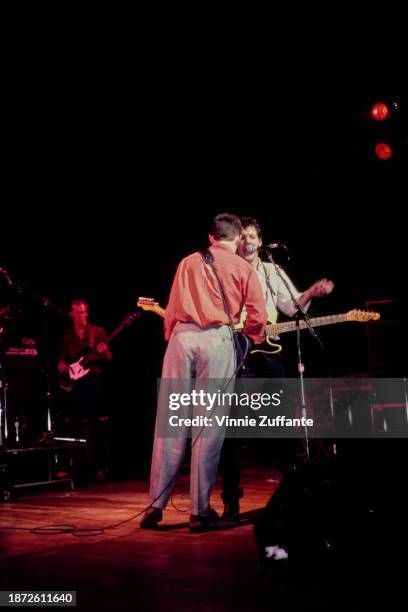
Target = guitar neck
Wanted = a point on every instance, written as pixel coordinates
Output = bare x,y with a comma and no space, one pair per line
125,323
115,332
92,350
274,329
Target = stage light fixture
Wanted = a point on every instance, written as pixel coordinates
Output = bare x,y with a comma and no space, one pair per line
380,111
383,150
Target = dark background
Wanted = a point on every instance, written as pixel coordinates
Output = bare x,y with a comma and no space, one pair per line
113,175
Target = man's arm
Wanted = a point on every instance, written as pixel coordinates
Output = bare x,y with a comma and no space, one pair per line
320,288
101,345
285,303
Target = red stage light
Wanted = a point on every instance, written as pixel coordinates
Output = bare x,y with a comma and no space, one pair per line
383,150
380,111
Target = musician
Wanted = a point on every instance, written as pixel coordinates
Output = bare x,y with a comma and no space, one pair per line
276,294
277,297
207,295
83,417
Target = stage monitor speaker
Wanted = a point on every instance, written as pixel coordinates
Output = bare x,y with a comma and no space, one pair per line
319,511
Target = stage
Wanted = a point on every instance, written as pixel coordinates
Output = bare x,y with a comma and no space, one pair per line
126,568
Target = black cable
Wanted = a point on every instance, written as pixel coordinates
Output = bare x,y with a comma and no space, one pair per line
61,529
71,529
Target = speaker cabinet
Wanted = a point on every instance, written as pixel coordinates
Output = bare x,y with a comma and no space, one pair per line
21,398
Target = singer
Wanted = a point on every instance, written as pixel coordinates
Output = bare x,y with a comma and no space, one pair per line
277,297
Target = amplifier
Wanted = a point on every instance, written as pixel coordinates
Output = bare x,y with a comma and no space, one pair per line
21,350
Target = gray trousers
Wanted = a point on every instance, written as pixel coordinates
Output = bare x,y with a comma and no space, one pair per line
193,354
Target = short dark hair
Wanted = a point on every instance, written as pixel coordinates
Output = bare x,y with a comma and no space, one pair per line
79,303
251,222
225,226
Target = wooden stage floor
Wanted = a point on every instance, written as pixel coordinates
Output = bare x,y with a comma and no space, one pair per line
126,568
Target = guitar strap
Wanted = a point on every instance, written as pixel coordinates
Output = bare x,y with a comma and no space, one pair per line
268,283
209,259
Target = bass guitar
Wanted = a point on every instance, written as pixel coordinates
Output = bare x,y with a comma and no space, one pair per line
79,368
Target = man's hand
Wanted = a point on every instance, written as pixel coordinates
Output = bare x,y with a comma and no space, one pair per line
62,367
321,288
102,347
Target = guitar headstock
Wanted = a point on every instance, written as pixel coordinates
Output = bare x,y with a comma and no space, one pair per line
128,320
362,316
149,304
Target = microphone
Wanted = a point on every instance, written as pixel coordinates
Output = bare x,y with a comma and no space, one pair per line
8,279
250,248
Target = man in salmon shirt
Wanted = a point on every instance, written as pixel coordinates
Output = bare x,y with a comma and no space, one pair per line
208,294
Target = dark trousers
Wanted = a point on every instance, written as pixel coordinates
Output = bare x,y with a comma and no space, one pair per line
258,365
81,421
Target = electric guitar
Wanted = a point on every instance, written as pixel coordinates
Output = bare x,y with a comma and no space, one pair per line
273,330
78,369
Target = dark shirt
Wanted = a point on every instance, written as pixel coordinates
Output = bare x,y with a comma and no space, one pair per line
73,346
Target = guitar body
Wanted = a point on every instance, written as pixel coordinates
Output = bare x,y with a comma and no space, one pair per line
77,369
270,346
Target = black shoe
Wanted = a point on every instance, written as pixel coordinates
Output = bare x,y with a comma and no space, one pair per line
206,522
151,518
231,513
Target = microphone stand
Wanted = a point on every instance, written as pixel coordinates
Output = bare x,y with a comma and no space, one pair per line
3,396
301,367
45,303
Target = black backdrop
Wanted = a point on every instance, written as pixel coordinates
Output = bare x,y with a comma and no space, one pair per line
103,200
